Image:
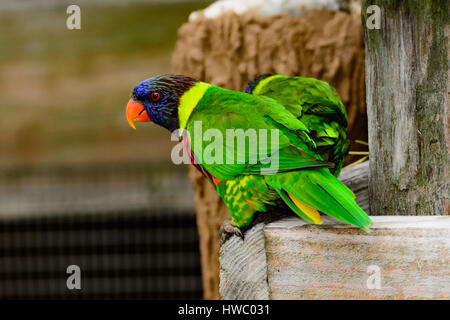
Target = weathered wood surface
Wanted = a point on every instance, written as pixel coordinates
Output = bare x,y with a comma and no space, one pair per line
244,274
335,261
357,179
407,107
332,261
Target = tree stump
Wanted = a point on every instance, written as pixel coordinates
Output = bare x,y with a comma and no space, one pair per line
407,105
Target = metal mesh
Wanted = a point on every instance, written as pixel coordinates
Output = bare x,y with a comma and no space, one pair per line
132,232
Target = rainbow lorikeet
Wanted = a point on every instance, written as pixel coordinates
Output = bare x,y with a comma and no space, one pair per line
196,111
317,105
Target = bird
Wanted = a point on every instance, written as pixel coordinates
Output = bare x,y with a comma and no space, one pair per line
249,183
317,105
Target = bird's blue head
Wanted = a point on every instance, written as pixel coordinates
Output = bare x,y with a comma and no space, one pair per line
157,99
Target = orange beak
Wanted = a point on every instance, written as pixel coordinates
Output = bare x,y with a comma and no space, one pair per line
136,113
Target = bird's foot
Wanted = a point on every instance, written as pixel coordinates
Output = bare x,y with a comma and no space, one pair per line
227,230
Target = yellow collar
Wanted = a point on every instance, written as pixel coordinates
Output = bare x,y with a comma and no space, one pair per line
189,101
263,82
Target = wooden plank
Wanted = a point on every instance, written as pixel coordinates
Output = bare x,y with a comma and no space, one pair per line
335,261
243,268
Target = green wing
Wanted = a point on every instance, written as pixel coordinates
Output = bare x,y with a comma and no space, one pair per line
251,183
279,138
317,105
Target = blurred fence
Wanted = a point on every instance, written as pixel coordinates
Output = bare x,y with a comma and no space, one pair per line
130,228
56,190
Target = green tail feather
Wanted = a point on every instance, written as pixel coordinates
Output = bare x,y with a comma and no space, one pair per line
322,191
292,206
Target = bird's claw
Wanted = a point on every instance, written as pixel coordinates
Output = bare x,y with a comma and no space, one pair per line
227,230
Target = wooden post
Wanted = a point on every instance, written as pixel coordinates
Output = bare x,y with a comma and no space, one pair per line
407,106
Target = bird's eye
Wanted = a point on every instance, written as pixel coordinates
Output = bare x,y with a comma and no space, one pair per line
155,96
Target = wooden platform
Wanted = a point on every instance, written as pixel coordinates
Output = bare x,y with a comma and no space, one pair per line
404,257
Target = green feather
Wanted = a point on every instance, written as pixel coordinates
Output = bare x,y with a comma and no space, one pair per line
322,191
302,171
317,105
